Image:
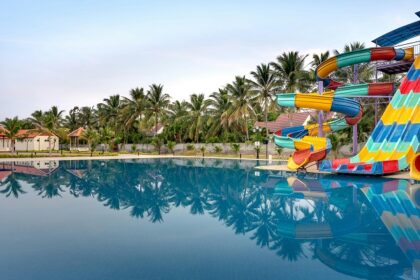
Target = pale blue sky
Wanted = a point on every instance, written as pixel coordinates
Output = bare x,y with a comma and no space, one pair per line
72,52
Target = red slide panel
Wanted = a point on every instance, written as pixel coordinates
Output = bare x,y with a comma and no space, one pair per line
390,166
385,53
381,89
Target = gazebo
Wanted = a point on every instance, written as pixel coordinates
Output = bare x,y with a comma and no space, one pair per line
77,141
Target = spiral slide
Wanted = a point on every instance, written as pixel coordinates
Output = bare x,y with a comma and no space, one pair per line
394,142
310,148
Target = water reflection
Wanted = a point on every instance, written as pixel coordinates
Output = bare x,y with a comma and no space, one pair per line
364,227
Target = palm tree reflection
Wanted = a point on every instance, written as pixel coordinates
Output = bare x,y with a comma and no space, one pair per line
334,226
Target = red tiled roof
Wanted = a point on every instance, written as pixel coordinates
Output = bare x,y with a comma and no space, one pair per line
285,120
31,133
3,131
27,170
77,133
4,175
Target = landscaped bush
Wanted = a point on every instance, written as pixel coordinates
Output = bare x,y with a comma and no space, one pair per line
218,149
190,147
171,146
235,147
212,139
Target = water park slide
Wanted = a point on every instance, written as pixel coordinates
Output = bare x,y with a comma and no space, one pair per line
310,148
338,101
395,140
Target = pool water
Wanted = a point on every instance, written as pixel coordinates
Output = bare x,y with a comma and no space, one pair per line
202,219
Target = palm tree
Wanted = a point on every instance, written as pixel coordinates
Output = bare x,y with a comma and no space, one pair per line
37,116
49,122
317,59
242,101
133,107
72,119
289,68
92,137
197,112
157,103
177,113
219,104
265,85
109,110
107,135
12,127
87,116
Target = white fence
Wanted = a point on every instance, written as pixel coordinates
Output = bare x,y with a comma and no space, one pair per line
226,148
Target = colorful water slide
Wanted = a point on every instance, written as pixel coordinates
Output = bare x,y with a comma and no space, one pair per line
395,140
310,148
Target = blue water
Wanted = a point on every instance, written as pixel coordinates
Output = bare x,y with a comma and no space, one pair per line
202,219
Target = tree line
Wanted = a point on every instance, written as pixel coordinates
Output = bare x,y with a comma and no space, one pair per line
227,115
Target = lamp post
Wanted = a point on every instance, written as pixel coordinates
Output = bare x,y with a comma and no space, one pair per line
265,141
257,148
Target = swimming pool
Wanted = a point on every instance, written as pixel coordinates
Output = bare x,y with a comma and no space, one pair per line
202,219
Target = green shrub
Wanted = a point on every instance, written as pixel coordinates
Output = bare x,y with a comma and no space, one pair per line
213,139
203,149
218,149
157,143
190,147
235,147
171,146
133,148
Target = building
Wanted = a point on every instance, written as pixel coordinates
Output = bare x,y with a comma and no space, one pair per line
291,119
155,130
4,141
77,141
29,140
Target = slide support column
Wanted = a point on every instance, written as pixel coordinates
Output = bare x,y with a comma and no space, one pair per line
355,133
320,113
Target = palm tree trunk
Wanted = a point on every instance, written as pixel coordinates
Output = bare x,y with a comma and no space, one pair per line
156,123
12,146
49,146
246,129
266,117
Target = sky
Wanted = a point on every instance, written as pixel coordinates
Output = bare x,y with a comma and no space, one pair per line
69,53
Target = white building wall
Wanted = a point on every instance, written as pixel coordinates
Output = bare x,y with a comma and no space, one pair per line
39,143
4,145
24,144
43,143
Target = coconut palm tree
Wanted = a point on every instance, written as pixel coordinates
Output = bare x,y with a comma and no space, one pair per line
157,103
71,121
92,137
134,107
265,84
87,116
109,110
177,114
49,122
37,116
219,104
317,59
196,116
12,127
289,67
242,101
